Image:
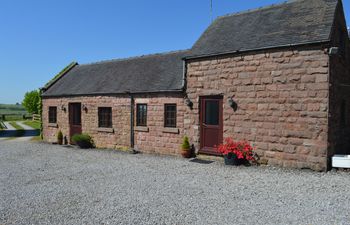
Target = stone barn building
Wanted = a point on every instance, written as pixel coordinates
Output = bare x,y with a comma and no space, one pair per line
277,76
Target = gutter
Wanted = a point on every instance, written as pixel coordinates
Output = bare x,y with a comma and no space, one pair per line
253,49
116,93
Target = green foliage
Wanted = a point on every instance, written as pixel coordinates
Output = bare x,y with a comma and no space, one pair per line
83,140
40,109
15,125
59,137
31,101
2,125
185,144
12,117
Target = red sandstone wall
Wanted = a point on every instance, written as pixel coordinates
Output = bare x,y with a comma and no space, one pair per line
155,140
159,139
282,98
120,113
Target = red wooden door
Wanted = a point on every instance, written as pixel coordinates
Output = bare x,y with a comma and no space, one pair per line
211,124
74,119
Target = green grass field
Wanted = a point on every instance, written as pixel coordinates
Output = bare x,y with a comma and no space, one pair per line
19,130
12,112
34,124
12,109
2,126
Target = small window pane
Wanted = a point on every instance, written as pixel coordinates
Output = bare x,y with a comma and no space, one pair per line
105,117
52,114
141,115
170,115
212,112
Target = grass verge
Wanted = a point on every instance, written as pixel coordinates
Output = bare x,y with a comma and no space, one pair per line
19,130
36,138
33,124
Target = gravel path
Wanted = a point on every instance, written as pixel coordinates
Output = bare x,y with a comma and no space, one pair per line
48,184
29,132
9,126
10,133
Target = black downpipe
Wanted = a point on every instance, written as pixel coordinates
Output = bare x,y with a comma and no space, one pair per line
132,141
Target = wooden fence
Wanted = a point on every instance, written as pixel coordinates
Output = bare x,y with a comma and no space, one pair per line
36,117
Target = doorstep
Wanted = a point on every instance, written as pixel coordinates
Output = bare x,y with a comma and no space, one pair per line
341,161
210,157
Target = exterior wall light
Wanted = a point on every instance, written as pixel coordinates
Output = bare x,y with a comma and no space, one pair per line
63,108
188,102
233,104
84,107
334,51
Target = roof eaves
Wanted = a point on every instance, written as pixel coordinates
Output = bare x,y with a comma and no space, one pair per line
254,49
116,93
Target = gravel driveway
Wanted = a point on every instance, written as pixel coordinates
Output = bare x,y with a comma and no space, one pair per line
47,184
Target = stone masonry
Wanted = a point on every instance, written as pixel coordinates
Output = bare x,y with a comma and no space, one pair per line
282,98
152,139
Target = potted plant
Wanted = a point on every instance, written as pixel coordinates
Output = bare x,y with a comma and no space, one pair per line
83,140
59,138
186,148
236,152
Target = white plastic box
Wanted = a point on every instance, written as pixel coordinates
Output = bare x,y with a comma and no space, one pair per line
341,161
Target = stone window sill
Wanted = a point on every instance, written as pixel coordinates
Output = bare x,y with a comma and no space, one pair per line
53,125
171,130
141,129
105,130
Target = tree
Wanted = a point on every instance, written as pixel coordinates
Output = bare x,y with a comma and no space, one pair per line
31,101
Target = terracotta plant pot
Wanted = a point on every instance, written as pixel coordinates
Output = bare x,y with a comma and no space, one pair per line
186,153
60,141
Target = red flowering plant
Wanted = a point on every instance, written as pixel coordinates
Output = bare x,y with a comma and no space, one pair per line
241,150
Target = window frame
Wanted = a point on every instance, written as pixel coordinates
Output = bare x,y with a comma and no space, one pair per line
141,115
166,116
52,116
105,119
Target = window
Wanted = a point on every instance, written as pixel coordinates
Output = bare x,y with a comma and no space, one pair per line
105,117
170,115
212,111
52,114
141,115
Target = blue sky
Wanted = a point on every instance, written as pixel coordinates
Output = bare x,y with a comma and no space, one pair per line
40,37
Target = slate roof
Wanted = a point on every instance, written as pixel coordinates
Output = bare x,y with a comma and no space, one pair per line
150,73
291,23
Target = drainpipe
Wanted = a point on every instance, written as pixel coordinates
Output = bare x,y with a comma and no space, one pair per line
184,82
132,140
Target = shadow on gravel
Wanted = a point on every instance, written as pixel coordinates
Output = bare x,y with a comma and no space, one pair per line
19,133
200,161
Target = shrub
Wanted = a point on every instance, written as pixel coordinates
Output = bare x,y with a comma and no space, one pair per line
83,140
59,137
185,144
